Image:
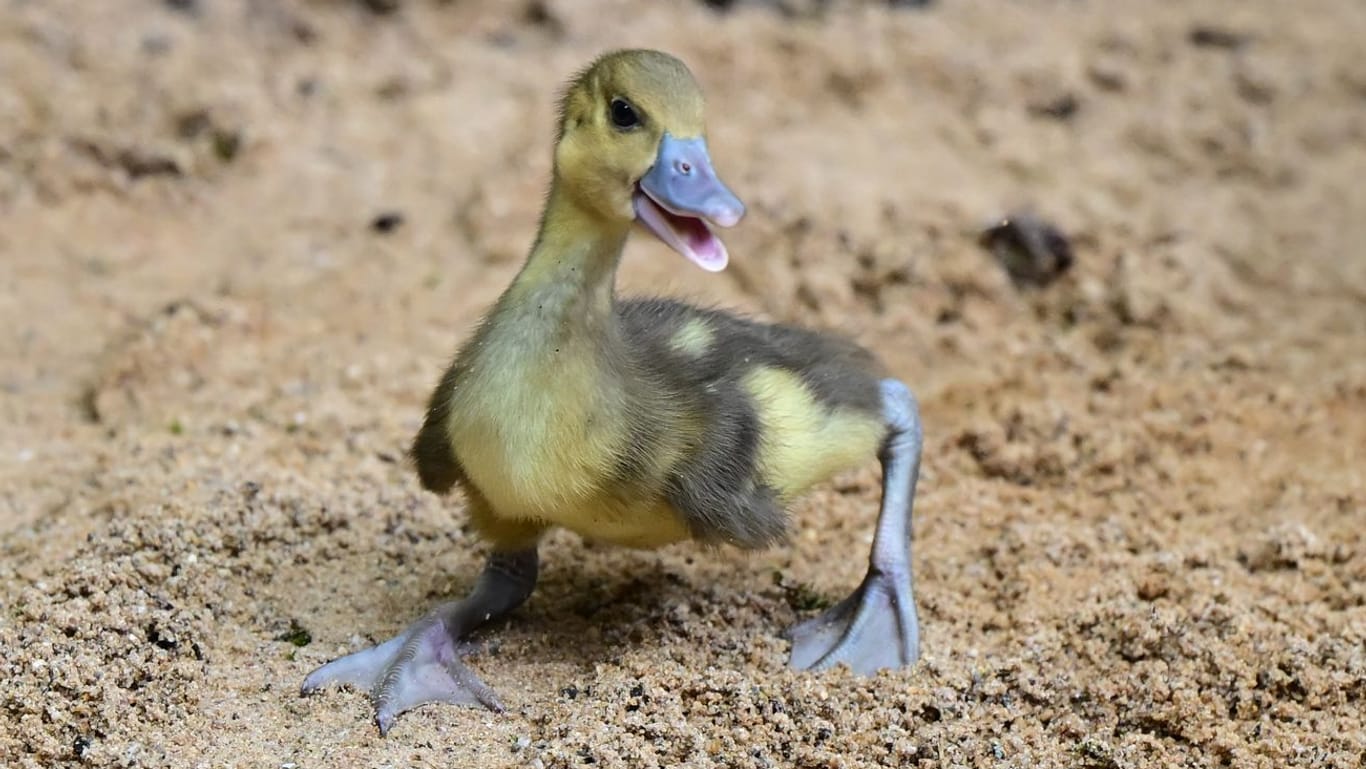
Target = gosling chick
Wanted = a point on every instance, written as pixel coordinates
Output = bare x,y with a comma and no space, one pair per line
644,422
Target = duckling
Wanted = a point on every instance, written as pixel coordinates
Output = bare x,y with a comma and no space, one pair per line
649,421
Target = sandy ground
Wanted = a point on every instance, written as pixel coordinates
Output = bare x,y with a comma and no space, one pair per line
1140,536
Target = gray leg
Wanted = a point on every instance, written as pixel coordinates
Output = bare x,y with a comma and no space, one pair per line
876,627
422,664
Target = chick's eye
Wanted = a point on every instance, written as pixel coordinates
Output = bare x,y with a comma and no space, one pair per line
624,115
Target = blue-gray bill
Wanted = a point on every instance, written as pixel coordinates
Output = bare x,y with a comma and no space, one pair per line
680,195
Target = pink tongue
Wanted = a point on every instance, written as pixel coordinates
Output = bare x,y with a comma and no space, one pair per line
688,235
705,247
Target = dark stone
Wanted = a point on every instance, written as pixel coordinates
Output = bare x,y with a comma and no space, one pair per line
387,222
1033,251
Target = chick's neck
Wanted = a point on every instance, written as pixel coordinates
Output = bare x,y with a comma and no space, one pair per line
568,281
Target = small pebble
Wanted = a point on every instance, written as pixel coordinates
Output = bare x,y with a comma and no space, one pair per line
381,7
1033,252
387,222
1208,36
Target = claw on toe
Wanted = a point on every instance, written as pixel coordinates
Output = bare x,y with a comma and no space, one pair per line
423,665
876,627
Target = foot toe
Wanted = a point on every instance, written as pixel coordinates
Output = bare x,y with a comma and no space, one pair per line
360,670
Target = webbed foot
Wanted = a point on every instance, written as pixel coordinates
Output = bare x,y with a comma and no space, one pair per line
875,627
421,665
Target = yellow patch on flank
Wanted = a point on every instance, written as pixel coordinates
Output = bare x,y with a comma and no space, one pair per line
804,442
693,339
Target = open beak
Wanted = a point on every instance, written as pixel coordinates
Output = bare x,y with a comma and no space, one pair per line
680,194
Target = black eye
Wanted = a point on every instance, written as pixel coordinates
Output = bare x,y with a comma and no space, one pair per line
624,115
